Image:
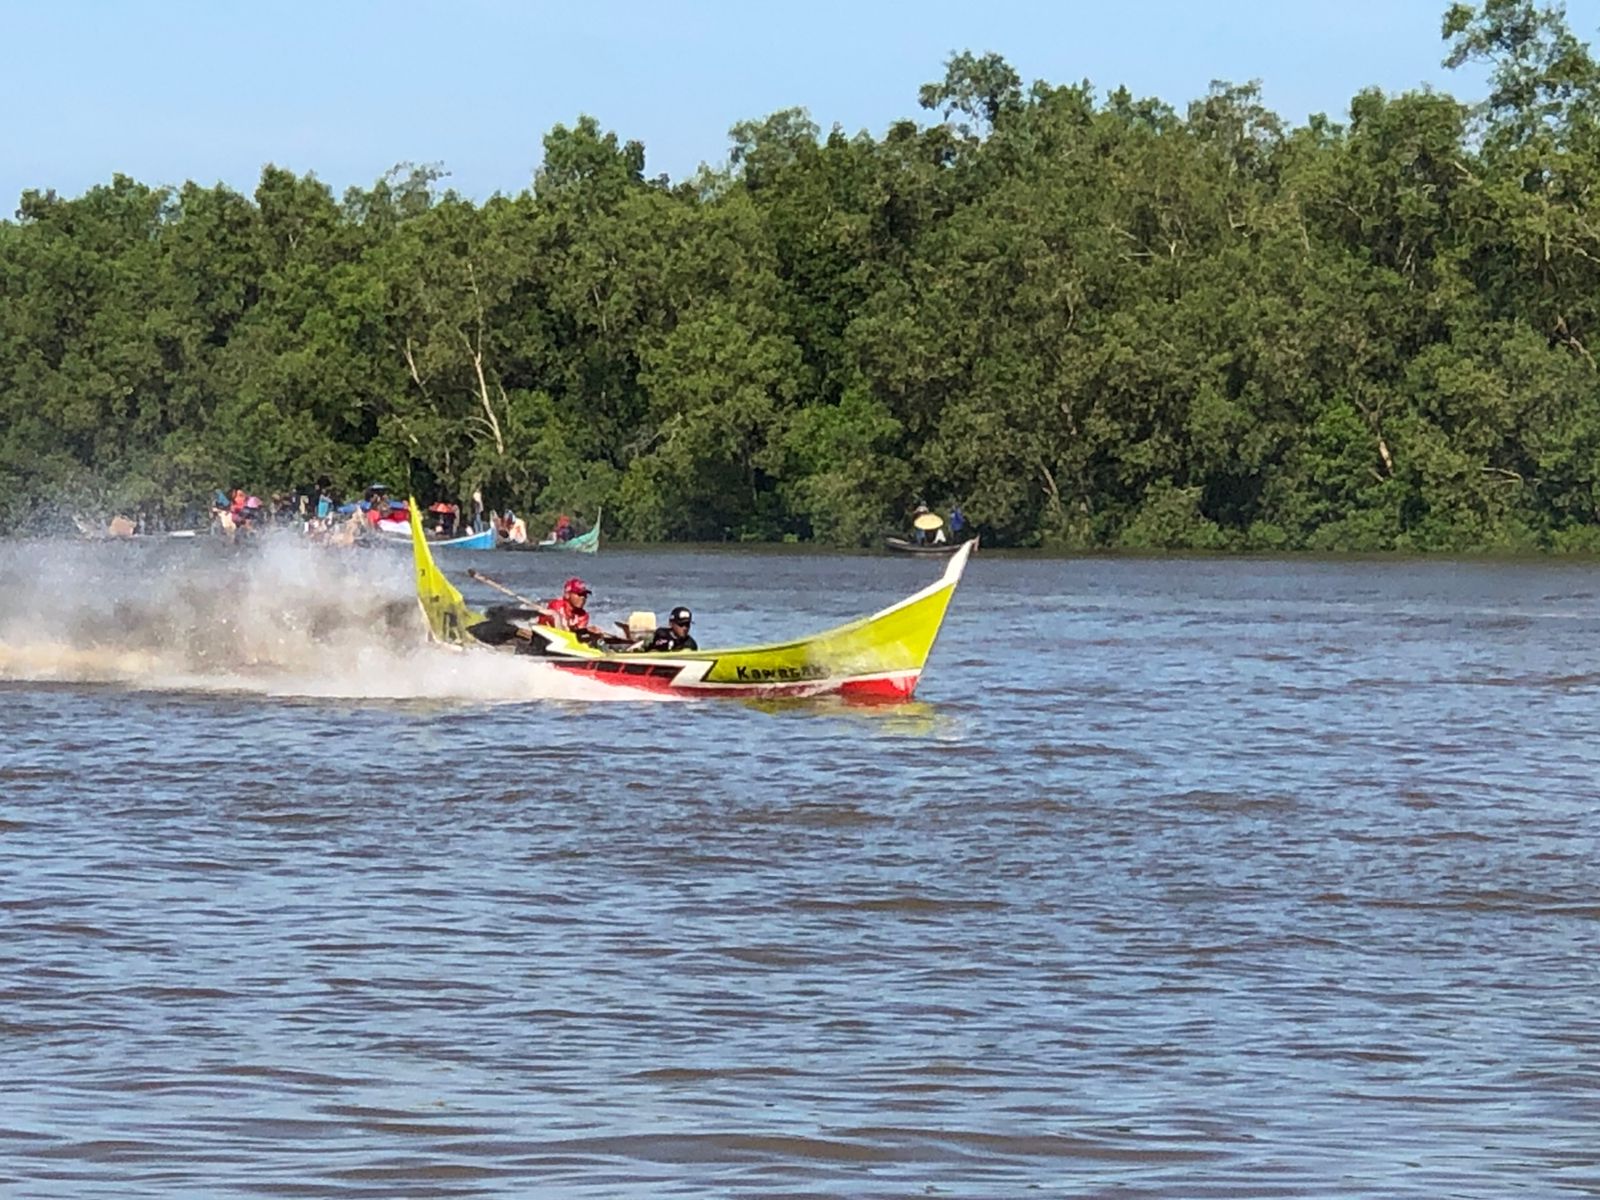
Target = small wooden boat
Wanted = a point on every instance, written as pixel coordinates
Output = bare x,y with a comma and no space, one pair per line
584,543
879,657
483,539
902,545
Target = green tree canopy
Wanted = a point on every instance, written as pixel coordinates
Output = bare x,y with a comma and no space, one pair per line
1091,319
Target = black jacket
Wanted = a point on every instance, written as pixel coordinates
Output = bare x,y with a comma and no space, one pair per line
665,639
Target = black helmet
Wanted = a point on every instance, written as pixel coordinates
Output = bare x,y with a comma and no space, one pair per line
681,616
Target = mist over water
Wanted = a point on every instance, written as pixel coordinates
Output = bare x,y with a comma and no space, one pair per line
1182,878
278,617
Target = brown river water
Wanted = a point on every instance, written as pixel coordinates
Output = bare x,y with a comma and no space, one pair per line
1181,878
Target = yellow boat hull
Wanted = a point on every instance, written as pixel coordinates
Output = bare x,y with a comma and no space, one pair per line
880,657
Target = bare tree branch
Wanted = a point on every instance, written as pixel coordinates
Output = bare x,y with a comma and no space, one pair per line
475,351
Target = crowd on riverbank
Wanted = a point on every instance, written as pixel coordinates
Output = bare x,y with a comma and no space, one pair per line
324,517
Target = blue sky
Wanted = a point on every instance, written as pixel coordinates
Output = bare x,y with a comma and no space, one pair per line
211,91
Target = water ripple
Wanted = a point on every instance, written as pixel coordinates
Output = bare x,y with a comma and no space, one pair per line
1265,879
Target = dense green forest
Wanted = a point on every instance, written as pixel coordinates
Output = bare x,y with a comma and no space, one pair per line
1092,323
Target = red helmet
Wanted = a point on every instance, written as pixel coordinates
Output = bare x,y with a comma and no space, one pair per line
576,585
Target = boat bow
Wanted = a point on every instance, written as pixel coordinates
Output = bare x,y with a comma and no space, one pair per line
879,657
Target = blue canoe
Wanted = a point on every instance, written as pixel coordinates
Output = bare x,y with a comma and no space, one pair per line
482,540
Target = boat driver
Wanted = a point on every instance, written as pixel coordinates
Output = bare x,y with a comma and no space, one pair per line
571,610
674,635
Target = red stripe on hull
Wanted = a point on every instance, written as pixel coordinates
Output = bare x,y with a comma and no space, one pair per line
865,691
654,684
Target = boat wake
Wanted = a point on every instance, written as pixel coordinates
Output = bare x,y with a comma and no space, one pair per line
277,619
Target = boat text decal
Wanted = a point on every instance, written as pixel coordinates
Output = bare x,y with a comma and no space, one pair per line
762,674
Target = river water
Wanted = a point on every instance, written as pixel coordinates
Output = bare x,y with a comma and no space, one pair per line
1181,878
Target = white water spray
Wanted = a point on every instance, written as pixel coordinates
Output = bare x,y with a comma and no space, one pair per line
278,618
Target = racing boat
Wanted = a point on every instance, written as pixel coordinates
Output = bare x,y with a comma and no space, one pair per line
879,657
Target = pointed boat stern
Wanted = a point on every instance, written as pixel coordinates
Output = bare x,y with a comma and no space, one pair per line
443,607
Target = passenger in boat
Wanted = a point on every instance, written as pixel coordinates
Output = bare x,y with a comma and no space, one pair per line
958,521
563,529
444,514
353,530
918,533
253,519
571,610
675,634
502,625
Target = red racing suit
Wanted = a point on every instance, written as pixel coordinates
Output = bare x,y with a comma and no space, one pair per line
564,616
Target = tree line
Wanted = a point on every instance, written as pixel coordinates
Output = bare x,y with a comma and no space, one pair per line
1091,322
